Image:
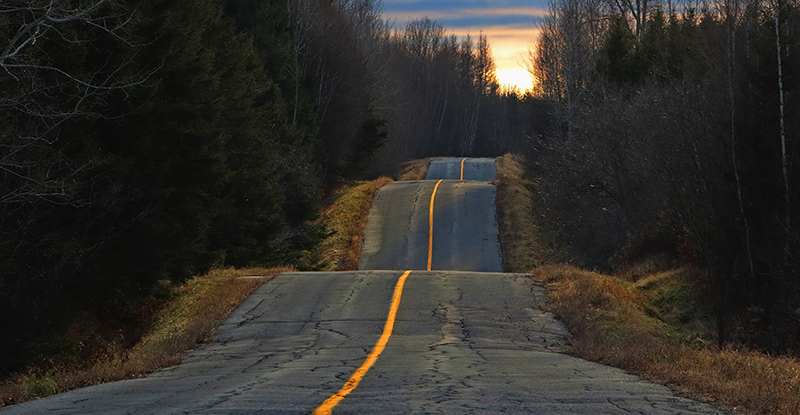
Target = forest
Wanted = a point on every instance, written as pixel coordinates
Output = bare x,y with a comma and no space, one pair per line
145,142
674,133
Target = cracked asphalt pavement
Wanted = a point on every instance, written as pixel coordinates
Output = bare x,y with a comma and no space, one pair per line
465,236
479,169
464,342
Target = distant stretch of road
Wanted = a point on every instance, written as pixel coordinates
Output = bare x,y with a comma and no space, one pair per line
449,340
463,235
478,169
464,227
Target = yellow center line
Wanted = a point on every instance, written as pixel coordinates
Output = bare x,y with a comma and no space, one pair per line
462,168
350,385
430,221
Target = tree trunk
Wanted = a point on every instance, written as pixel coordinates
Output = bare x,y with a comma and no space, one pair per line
732,10
784,159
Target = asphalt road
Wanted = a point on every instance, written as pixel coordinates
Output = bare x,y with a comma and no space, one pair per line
465,234
463,342
480,169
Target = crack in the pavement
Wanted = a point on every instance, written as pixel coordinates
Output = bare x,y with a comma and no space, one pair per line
355,288
622,408
407,248
249,315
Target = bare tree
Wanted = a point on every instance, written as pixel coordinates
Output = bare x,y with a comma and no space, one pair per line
40,96
636,11
570,39
777,6
303,26
35,19
730,12
52,193
373,37
485,84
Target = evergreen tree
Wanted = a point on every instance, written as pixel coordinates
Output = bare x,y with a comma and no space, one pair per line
194,146
170,168
621,60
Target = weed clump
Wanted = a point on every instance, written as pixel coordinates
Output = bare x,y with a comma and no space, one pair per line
40,386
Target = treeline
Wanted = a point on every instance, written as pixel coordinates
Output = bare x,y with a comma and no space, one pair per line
446,99
674,135
143,142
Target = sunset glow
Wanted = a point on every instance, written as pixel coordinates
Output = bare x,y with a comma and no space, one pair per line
509,25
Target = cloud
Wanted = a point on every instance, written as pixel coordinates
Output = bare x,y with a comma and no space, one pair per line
460,17
457,4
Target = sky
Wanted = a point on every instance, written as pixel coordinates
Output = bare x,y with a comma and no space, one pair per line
510,26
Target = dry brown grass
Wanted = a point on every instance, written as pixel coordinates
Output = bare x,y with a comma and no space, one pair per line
521,238
609,324
345,219
195,311
415,169
189,319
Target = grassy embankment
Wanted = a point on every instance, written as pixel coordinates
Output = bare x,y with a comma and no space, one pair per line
415,169
344,219
520,233
95,355
189,314
655,327
651,323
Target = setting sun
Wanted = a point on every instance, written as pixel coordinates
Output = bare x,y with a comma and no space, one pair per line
519,79
510,31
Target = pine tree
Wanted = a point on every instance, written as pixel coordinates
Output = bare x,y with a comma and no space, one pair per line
621,60
194,146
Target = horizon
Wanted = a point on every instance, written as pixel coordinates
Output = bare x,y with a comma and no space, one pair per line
509,25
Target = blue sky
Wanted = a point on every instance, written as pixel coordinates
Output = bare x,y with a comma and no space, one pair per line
509,24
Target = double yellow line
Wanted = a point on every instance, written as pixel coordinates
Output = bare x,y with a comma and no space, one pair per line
327,407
